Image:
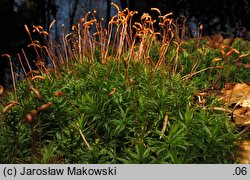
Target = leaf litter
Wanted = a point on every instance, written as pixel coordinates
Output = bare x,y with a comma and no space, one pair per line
237,96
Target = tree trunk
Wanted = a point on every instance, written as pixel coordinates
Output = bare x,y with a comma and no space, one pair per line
108,12
72,15
8,38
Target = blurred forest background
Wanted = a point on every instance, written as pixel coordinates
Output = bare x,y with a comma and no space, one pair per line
228,17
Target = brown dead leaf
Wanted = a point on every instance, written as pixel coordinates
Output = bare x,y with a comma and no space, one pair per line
242,120
215,41
243,152
238,94
241,111
242,116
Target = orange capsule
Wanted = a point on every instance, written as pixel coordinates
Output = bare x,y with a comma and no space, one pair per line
45,33
112,92
219,67
37,77
8,106
28,118
131,82
36,92
6,55
116,6
45,106
216,60
222,52
182,68
33,114
51,25
231,51
58,94
243,55
156,9
32,72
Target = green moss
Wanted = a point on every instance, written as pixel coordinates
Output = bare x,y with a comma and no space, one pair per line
121,128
